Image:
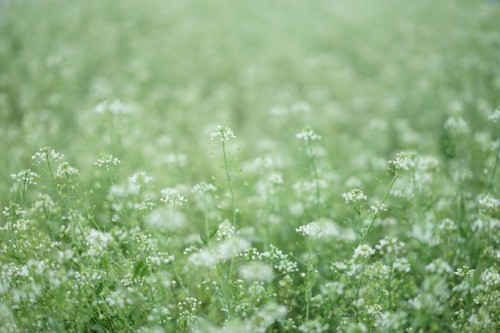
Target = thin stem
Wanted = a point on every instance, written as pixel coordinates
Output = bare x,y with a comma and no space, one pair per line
316,178
492,178
375,215
229,182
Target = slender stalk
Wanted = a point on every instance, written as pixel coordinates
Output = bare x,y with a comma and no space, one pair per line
316,178
229,181
375,215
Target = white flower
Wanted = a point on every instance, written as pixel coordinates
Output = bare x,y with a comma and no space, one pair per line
363,251
256,271
307,135
457,124
26,177
65,170
223,133
355,195
107,161
114,107
495,117
45,153
203,188
172,197
403,161
322,228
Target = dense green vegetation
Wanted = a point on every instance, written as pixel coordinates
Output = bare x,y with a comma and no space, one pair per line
249,166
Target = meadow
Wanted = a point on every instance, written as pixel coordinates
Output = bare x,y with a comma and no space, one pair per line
249,166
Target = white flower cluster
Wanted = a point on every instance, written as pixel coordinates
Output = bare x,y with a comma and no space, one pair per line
172,197
439,266
457,124
97,242
495,117
389,245
307,135
65,171
46,152
401,265
107,161
378,207
161,258
355,195
188,309
256,271
223,133
26,177
203,188
322,228
403,161
489,203
114,107
225,231
363,251
140,178
224,250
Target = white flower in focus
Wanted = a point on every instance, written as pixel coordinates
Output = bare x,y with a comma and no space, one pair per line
222,133
107,161
45,153
355,195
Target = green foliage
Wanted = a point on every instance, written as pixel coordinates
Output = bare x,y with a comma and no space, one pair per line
359,191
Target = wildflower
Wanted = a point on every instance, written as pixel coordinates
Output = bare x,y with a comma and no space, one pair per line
107,161
65,171
489,203
457,124
140,178
172,197
256,271
403,161
495,117
307,135
363,251
46,152
26,177
225,231
223,133
355,195
322,228
378,207
203,188
115,107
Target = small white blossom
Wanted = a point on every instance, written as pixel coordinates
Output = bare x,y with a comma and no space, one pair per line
65,171
107,161
355,195
307,135
495,117
222,133
115,107
256,271
45,153
363,251
26,177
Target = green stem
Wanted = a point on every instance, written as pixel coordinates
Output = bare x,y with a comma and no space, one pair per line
375,215
229,182
316,178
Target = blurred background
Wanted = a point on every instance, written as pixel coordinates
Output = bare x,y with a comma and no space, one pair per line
372,77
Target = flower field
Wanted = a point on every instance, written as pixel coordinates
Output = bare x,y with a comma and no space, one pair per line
249,166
